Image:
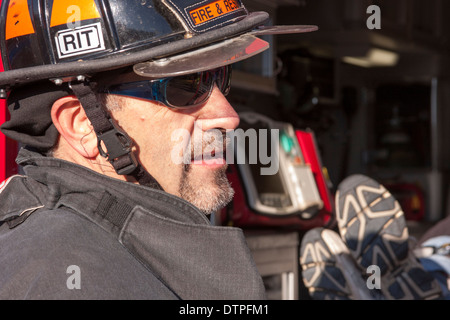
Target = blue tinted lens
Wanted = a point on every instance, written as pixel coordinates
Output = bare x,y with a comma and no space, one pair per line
178,92
189,90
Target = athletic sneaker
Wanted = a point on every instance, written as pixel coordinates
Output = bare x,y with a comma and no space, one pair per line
373,228
328,270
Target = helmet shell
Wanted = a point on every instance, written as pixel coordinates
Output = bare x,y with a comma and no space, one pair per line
55,38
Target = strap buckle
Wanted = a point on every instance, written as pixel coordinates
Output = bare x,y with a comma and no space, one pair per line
118,150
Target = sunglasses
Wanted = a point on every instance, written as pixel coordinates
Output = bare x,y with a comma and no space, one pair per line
186,91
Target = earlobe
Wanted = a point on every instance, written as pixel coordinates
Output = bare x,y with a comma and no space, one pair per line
71,121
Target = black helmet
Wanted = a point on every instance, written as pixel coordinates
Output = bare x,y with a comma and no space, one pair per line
55,39
69,42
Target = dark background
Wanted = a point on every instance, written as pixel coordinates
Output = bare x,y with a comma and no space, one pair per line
388,122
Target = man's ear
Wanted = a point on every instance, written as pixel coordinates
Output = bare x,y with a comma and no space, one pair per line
71,121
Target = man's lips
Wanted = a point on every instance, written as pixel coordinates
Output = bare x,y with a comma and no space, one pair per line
209,159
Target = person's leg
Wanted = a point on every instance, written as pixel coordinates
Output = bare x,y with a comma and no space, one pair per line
442,228
434,255
374,237
328,270
372,225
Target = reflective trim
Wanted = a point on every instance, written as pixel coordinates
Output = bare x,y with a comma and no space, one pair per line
18,20
69,12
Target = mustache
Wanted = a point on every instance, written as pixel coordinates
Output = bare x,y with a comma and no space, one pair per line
212,144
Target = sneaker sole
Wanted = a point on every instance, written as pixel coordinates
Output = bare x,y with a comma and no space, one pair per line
372,225
328,271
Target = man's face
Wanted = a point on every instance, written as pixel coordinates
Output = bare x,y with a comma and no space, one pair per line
181,148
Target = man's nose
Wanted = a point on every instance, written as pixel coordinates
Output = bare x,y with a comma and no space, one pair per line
218,113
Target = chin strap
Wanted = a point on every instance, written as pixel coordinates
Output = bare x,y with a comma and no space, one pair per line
113,143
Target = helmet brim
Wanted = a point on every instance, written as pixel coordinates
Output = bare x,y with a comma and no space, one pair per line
216,55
